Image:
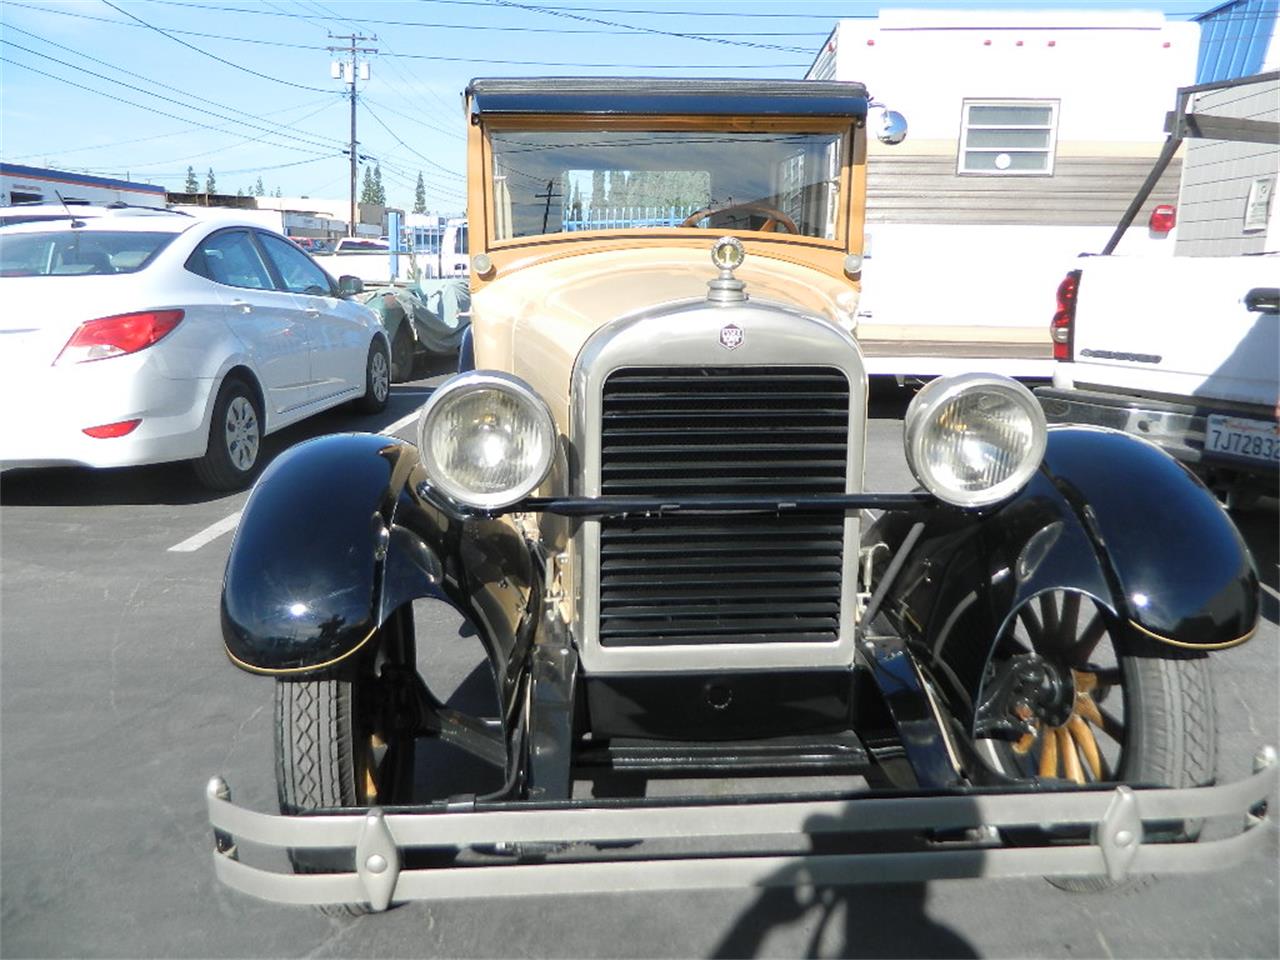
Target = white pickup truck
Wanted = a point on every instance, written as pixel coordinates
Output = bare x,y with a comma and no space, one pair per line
1185,350
1182,351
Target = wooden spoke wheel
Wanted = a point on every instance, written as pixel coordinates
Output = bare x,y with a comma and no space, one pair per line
1116,706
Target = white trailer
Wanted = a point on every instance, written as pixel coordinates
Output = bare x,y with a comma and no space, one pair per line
1029,133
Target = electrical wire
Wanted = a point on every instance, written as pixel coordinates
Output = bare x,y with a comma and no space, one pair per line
313,143
211,56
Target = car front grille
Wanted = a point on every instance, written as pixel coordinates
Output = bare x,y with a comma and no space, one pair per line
726,431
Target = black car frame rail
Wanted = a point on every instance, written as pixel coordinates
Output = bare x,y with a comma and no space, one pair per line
351,524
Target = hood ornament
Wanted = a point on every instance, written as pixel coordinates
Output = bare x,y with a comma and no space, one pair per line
727,253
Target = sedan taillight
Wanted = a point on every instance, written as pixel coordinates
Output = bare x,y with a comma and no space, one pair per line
1064,318
119,335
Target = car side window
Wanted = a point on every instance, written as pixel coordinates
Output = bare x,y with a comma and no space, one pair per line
229,257
296,270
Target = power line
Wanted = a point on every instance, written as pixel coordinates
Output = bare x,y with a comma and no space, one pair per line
211,56
203,101
128,86
396,138
650,30
412,56
616,30
162,136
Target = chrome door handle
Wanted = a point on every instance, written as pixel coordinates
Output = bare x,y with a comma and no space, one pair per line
242,305
312,312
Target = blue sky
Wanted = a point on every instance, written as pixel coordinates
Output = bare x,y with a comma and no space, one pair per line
145,88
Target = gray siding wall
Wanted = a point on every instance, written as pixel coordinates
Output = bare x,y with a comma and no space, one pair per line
1217,176
1083,191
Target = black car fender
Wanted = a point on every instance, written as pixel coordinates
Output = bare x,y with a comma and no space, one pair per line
336,537
1106,516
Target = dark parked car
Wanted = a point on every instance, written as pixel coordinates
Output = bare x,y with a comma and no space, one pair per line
643,493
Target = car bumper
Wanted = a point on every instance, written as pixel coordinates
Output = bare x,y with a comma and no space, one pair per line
605,843
47,411
1179,429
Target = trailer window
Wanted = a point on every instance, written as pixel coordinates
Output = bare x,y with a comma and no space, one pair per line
1008,137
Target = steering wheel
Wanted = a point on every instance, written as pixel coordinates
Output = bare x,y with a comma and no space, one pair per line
773,216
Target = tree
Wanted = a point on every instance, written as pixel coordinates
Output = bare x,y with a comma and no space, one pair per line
193,185
379,192
420,196
258,189
278,193
210,184
367,194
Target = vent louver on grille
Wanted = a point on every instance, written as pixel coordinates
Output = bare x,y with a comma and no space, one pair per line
754,431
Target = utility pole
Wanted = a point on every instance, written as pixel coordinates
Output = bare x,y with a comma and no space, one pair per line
349,72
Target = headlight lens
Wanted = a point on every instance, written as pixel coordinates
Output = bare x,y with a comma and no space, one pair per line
486,439
974,439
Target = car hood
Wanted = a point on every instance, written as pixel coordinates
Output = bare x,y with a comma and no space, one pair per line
535,321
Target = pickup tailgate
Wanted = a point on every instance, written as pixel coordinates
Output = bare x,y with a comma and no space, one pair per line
1203,327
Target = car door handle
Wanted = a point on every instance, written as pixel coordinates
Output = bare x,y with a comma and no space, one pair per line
242,305
312,312
1263,300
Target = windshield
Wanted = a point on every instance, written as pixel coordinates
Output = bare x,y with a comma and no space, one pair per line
66,253
562,181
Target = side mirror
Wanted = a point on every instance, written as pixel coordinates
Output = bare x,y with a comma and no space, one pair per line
892,128
349,286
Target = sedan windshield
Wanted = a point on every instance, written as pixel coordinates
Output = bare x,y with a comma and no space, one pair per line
65,253
562,181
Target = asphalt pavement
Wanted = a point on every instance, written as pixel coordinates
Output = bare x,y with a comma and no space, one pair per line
117,704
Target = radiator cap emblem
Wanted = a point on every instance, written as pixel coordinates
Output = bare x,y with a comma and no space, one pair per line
727,253
731,336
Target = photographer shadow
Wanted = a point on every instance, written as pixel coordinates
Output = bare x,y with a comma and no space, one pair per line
865,919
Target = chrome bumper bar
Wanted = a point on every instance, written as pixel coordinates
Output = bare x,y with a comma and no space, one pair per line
1114,815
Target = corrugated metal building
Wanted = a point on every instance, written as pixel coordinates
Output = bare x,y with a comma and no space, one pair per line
1236,39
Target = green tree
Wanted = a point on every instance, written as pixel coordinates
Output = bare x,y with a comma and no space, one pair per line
379,192
193,185
367,194
420,196
258,189
210,184
278,193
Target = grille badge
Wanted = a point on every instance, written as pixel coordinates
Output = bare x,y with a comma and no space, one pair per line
731,336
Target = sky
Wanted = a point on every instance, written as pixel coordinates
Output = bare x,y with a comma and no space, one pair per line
144,89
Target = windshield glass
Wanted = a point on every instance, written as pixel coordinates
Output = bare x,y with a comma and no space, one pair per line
66,253
562,181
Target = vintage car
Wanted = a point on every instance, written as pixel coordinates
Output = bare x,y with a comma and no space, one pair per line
643,496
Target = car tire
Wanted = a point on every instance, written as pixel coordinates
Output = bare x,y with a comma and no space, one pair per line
330,752
234,452
402,354
377,378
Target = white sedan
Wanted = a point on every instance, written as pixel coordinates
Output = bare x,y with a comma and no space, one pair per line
137,336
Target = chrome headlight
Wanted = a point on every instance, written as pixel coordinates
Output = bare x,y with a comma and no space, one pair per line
486,439
974,439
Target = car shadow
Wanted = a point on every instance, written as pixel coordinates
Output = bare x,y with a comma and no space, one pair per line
174,483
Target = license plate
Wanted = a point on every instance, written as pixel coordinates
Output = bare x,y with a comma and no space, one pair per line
1237,437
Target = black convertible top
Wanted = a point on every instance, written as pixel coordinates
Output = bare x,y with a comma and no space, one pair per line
649,96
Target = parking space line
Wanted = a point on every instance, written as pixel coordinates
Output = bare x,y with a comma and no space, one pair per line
207,535
227,524
402,422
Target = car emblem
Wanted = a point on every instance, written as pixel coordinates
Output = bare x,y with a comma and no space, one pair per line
731,336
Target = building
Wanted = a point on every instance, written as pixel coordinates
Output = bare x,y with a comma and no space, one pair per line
21,184
1025,147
